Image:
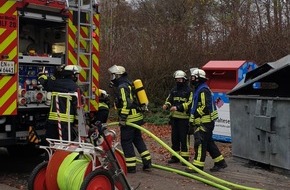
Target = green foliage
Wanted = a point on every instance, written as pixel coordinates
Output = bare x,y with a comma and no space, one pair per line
157,116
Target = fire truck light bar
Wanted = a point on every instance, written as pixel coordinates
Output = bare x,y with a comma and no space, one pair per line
41,17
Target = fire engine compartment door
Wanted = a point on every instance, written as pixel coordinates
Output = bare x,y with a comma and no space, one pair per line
41,49
8,58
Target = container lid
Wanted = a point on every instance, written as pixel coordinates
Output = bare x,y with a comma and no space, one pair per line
223,65
270,79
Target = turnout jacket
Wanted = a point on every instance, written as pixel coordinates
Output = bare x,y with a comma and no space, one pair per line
181,97
61,85
126,101
203,108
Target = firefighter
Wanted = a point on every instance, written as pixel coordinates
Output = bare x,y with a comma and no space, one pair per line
179,102
65,82
129,111
104,105
202,116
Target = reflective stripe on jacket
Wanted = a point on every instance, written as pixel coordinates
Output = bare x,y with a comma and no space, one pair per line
67,108
203,108
181,97
127,104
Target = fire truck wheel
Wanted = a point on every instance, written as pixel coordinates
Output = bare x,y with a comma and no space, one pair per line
52,168
98,179
36,179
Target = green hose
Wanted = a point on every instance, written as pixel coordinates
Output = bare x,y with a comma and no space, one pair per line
220,181
71,171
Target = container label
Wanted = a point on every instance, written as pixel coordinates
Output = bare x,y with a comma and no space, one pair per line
222,130
7,67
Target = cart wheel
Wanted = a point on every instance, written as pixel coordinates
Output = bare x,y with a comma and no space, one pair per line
52,169
36,179
98,179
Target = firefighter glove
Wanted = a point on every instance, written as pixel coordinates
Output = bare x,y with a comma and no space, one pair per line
191,128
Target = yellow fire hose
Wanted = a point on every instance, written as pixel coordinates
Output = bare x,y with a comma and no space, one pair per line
220,183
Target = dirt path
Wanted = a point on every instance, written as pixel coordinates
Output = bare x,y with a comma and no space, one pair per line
241,172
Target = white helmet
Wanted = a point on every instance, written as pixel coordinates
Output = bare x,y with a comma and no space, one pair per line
180,74
198,73
118,70
103,93
74,68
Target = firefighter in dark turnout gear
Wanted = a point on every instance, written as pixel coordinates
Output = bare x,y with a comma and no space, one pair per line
179,102
64,83
128,111
202,116
104,105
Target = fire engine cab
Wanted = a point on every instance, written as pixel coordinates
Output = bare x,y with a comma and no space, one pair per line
41,36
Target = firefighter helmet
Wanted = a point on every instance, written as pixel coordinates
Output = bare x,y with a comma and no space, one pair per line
199,73
118,70
180,74
103,93
75,69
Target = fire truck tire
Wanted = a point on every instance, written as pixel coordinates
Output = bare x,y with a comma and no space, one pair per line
36,179
52,169
98,179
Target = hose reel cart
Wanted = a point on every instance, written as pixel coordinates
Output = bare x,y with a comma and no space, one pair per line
82,164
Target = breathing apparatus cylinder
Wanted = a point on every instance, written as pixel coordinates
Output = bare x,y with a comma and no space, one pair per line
140,92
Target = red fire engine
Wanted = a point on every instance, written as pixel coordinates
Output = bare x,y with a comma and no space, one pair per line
40,36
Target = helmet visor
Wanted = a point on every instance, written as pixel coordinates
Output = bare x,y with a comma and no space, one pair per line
179,79
193,77
113,76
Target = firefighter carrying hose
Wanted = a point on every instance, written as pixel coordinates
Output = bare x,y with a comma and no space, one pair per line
128,111
64,82
179,103
202,117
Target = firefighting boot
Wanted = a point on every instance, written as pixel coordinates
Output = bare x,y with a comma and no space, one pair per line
173,160
218,166
147,165
131,169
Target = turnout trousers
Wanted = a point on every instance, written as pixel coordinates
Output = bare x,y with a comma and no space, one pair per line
204,142
179,137
131,137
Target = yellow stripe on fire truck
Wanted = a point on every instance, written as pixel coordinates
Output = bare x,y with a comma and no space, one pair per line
8,49
32,136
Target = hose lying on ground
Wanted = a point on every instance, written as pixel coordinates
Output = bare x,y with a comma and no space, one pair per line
220,182
173,170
